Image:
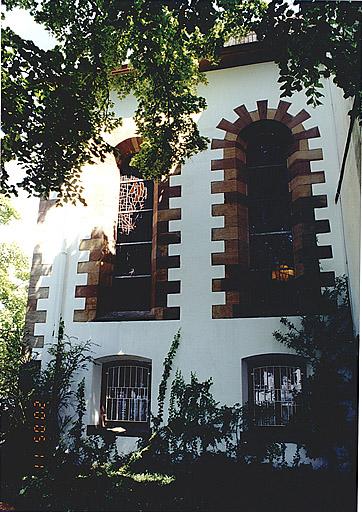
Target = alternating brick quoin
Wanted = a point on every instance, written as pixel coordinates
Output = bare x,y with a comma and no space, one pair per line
235,232
38,270
99,267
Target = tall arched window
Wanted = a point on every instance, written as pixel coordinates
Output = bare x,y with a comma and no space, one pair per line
270,231
132,275
271,256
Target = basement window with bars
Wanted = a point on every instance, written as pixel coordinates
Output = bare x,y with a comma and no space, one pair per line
126,394
276,390
132,275
273,389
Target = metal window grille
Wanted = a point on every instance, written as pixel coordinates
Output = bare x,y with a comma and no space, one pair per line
132,198
250,38
128,393
275,391
133,265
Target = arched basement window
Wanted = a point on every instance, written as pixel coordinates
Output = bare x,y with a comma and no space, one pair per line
126,396
132,272
275,386
269,204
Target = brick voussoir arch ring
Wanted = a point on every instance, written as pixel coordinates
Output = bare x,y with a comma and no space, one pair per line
99,268
235,258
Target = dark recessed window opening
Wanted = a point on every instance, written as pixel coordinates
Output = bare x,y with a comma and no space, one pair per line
270,233
271,254
131,286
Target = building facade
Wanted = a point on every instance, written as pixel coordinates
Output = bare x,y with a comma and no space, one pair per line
242,234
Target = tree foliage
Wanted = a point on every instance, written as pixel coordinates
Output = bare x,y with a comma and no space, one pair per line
14,277
329,347
196,422
57,382
58,102
320,40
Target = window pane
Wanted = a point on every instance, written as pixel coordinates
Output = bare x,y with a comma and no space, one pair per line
126,399
269,215
135,227
135,194
133,260
132,294
267,182
271,252
270,237
269,200
275,394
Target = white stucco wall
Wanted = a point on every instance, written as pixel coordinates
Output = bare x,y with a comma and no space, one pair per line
350,197
211,348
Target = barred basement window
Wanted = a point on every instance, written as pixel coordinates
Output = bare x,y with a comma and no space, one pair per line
276,392
132,275
126,394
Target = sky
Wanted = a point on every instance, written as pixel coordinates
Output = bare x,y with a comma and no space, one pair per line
21,22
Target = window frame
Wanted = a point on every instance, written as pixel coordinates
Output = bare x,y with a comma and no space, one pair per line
238,282
274,133
278,432
128,176
131,428
109,310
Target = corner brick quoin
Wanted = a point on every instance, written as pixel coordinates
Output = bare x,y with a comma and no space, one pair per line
38,270
99,267
235,258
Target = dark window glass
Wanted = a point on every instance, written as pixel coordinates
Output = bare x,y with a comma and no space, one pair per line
131,293
132,273
142,222
133,259
271,251
270,235
267,147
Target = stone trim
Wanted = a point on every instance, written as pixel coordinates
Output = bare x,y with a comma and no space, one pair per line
125,148
235,235
36,292
99,267
161,259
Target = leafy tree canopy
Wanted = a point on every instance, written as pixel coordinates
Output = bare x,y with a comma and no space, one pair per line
14,276
57,102
327,343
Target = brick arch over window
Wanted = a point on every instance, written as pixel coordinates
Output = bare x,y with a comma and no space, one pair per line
99,268
239,281
127,147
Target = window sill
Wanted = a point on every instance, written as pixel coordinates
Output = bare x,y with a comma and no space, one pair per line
119,316
118,430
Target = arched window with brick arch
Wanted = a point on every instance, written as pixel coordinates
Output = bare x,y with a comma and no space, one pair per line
129,274
271,255
132,275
